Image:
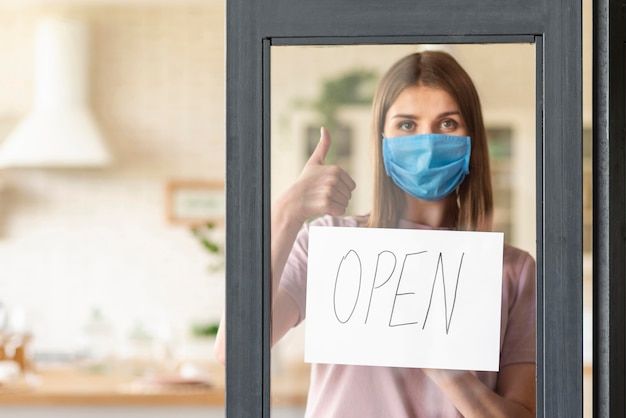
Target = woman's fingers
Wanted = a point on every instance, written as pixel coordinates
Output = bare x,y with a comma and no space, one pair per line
324,189
328,195
340,180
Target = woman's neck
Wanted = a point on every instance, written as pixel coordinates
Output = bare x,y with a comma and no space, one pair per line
441,214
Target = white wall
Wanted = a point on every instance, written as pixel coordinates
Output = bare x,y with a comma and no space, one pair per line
74,240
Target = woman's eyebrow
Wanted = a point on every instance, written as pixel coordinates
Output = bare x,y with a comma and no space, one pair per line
413,117
402,116
450,113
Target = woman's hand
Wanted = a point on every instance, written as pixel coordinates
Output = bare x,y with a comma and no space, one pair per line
514,395
320,189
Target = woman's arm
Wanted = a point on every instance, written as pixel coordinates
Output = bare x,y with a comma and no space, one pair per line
319,190
515,394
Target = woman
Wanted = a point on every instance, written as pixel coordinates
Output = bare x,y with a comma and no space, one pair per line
425,106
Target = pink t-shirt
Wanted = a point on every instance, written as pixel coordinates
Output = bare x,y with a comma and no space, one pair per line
365,391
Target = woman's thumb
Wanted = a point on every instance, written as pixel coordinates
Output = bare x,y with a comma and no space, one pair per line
319,154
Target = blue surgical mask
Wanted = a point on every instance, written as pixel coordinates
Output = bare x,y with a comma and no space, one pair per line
429,166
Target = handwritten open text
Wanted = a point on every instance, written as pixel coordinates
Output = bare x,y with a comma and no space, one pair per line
405,298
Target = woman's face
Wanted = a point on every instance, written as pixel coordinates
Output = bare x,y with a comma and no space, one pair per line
422,110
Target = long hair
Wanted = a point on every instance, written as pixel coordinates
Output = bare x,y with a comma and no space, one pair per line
433,69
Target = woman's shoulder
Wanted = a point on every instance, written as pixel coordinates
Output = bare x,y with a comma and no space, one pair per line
514,252
517,259
342,221
326,220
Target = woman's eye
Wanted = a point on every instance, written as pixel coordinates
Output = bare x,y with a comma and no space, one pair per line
406,126
449,124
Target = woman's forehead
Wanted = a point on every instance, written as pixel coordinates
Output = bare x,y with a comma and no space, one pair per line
422,99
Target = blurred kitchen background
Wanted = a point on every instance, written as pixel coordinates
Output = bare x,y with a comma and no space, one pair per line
99,261
107,266
76,240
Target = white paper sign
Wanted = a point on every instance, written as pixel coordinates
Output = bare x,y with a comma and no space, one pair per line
404,298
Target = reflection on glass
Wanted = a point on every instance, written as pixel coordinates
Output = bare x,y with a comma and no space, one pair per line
336,90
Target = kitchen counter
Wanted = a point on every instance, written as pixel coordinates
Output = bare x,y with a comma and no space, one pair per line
71,387
67,386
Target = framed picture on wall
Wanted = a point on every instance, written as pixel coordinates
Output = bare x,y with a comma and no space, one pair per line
195,202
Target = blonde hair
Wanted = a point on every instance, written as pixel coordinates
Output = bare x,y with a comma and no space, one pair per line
434,69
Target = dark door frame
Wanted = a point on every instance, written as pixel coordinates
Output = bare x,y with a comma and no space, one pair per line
609,208
555,26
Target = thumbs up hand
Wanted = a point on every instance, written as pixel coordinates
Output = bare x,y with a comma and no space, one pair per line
321,189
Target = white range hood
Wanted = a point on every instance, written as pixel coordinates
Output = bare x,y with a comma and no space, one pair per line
60,130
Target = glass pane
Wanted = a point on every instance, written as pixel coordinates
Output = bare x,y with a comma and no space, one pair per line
334,87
